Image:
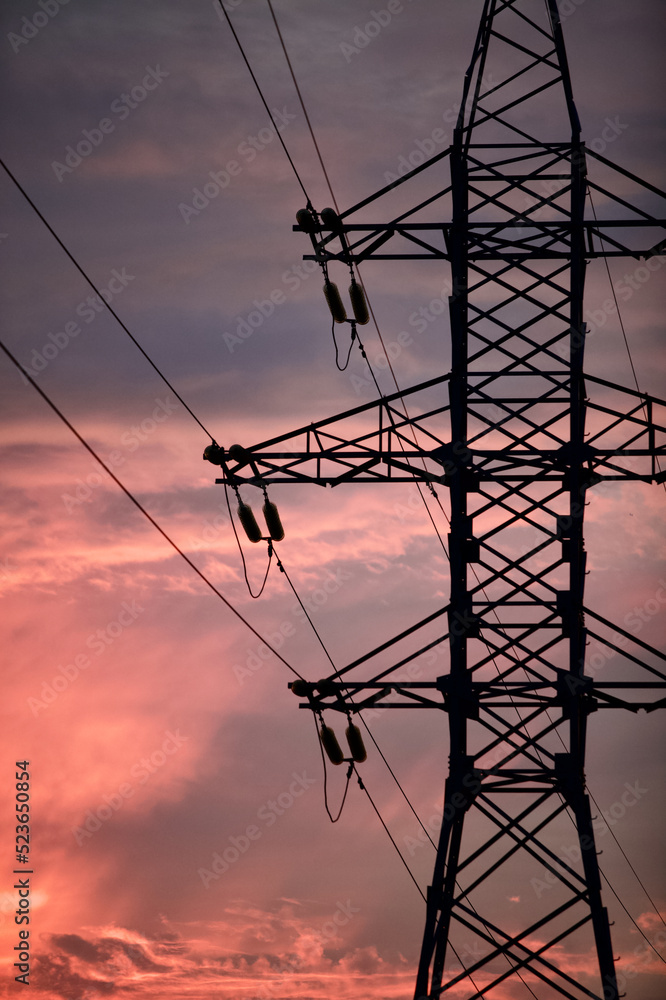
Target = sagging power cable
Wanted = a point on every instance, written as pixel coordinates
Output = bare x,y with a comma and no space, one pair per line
142,509
95,289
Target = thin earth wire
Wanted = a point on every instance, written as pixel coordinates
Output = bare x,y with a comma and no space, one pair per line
619,316
115,315
141,508
637,926
640,882
388,833
637,876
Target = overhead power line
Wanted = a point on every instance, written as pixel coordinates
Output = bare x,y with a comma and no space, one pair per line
95,289
264,102
300,97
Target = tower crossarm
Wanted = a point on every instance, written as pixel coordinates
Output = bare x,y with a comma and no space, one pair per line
376,442
518,238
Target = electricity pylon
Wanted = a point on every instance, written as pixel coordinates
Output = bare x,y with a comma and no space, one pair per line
523,437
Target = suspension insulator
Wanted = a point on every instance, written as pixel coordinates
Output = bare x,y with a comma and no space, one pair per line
359,305
273,522
300,688
249,522
213,453
330,219
356,745
335,302
329,741
305,220
239,454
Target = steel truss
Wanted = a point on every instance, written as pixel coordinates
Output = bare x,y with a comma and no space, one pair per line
523,437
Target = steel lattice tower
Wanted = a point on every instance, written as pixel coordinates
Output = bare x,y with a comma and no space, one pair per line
523,437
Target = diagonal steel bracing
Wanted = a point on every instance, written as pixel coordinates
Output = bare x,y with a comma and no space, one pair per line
518,434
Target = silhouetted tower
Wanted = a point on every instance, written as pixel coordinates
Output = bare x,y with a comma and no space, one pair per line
518,444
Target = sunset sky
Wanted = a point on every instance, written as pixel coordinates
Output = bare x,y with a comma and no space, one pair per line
158,737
